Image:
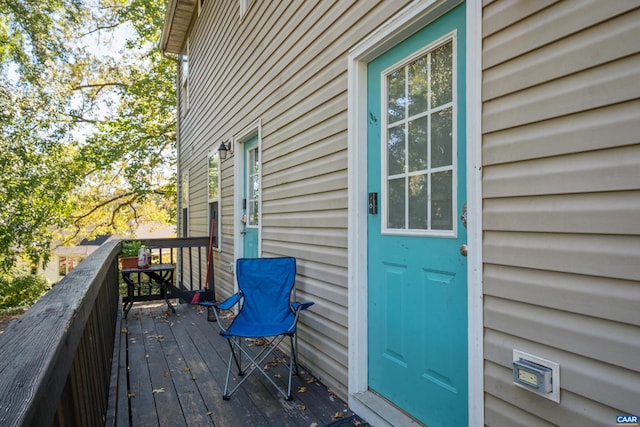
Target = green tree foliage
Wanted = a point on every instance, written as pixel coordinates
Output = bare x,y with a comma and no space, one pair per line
87,122
36,154
22,291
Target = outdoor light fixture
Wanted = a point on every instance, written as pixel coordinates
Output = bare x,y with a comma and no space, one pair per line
224,149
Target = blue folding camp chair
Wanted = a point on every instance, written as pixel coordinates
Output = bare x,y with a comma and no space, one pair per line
266,311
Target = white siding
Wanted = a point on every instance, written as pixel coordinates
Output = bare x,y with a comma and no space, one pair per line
561,183
284,63
561,209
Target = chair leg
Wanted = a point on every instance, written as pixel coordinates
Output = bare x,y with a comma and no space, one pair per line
294,352
256,361
236,357
292,362
226,395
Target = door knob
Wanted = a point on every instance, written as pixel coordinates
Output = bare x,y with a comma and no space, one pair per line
464,249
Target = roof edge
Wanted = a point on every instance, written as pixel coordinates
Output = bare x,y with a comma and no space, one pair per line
176,24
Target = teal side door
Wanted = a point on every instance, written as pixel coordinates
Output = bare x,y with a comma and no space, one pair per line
251,199
417,279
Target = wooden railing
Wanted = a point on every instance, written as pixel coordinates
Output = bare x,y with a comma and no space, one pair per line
56,360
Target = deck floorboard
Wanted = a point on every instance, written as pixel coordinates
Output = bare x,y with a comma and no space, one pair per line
175,369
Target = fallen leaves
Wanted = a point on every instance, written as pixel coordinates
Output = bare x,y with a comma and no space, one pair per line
271,364
227,314
257,342
178,369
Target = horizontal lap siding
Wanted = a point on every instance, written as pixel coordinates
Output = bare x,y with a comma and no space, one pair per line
561,210
284,63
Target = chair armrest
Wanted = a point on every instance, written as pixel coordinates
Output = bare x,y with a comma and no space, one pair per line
230,302
224,305
299,306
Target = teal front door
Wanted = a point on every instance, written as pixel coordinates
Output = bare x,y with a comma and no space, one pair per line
251,200
417,280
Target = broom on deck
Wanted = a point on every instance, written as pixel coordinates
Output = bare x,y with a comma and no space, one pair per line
206,294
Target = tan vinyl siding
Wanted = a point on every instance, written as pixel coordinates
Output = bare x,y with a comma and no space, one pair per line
561,206
283,63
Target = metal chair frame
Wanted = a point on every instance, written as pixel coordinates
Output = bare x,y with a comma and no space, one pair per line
235,339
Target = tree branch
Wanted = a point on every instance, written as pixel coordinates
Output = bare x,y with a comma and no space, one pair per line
99,85
105,203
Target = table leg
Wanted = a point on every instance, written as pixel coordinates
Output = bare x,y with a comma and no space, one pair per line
166,299
130,292
163,281
162,278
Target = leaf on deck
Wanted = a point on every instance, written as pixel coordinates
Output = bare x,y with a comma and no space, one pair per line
227,314
258,342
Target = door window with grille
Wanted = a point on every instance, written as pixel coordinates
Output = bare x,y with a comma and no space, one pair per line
418,147
253,188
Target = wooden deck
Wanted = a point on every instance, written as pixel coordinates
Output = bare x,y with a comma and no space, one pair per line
171,372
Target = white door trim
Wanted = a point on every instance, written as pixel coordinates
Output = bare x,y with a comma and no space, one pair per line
474,218
238,140
412,18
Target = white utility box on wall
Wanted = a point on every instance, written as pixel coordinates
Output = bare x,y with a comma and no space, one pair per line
538,375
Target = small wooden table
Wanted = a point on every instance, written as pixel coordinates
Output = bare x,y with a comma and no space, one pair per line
160,275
